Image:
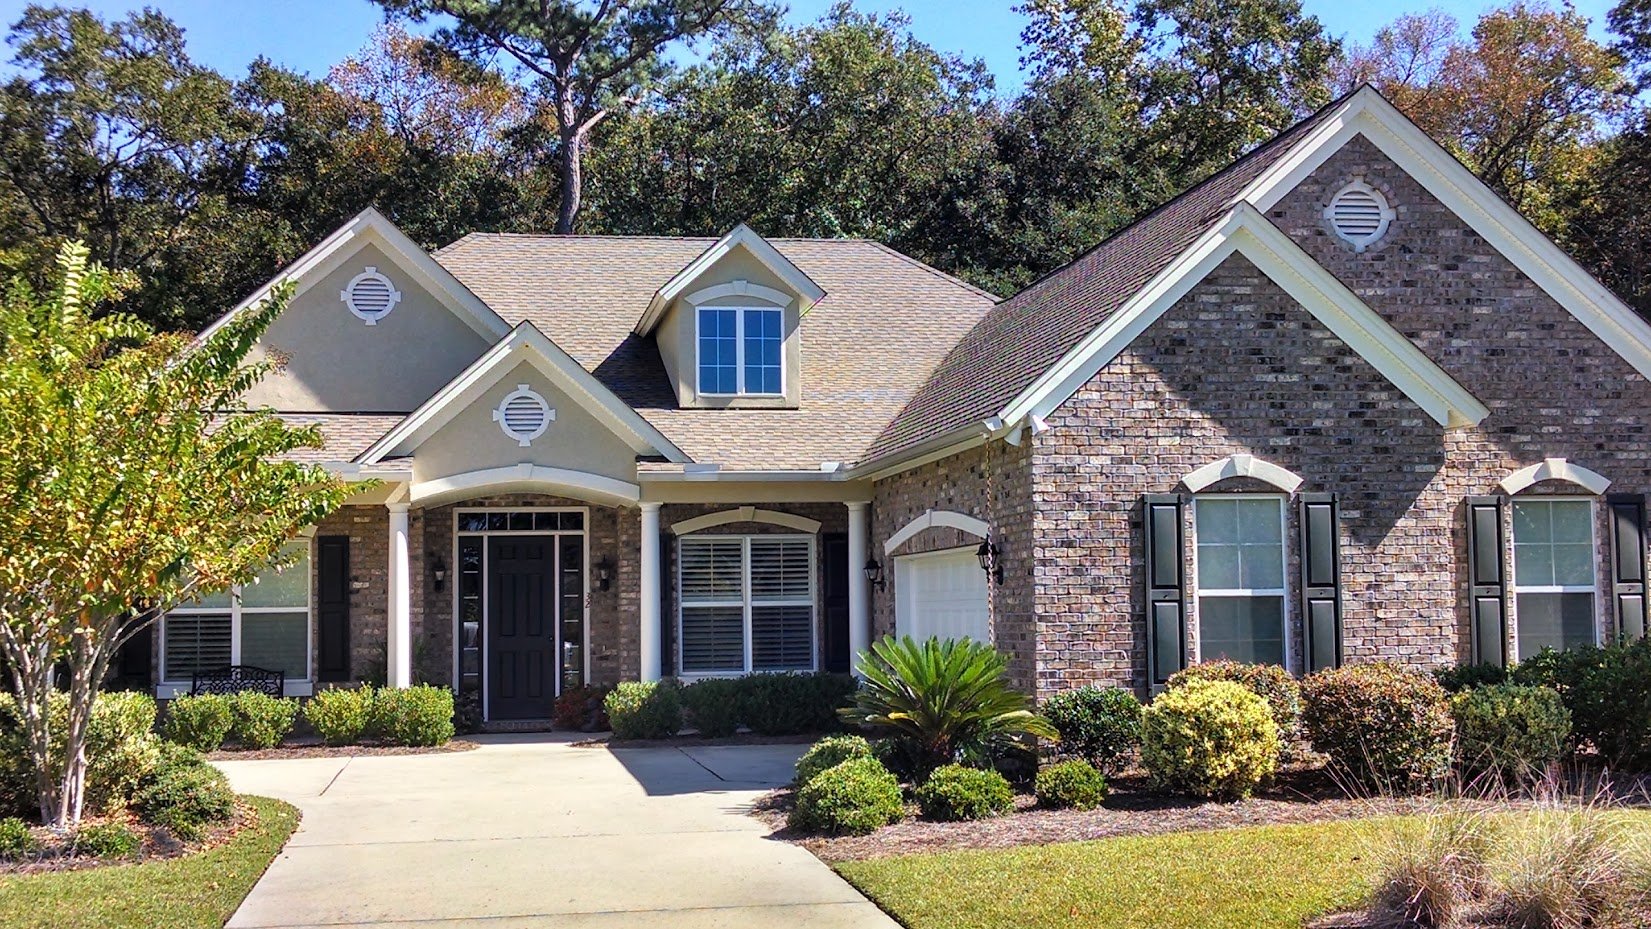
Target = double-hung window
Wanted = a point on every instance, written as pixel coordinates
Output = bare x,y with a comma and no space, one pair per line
1241,586
1553,574
265,624
746,603
741,350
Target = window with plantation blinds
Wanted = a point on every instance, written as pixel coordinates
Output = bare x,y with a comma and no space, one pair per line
746,604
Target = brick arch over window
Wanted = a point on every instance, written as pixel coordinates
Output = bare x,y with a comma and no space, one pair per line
1555,469
1242,466
936,519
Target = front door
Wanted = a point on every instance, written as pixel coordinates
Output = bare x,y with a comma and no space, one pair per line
521,629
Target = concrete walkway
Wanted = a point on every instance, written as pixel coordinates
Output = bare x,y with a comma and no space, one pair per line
530,831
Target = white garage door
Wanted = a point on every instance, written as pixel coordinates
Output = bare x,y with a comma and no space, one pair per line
940,594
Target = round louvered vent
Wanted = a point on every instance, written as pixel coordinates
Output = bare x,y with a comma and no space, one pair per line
370,296
523,415
1359,214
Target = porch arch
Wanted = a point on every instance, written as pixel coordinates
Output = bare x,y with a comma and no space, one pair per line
745,514
932,519
525,478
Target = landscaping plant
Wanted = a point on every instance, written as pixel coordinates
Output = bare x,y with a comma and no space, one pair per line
135,478
1458,678
946,699
713,706
1429,870
792,704
830,752
1607,690
1385,727
954,793
418,715
1270,682
106,840
122,751
186,798
201,721
1211,739
644,710
856,797
260,720
340,716
1101,725
1509,730
580,707
1073,784
16,841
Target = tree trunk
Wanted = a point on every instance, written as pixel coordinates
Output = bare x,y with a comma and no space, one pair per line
31,663
572,179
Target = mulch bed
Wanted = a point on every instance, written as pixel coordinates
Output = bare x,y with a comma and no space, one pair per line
157,843
314,749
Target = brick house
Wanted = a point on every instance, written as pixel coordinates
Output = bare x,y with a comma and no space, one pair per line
1337,402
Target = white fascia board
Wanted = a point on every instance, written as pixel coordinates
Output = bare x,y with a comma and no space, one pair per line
1559,275
942,446
353,471
1245,231
372,227
741,236
723,476
525,343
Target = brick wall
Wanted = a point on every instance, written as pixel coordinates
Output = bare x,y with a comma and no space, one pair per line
368,529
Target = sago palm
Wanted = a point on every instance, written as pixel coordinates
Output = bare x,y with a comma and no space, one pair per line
945,698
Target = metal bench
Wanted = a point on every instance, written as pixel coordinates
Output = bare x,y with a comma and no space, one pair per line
236,678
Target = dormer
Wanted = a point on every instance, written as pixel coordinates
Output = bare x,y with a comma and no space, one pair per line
728,325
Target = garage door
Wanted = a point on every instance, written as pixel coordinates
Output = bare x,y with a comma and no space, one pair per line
940,594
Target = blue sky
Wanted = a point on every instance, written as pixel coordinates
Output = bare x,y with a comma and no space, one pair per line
310,35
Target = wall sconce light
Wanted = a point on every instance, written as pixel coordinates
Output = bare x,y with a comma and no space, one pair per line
991,560
438,569
604,574
874,574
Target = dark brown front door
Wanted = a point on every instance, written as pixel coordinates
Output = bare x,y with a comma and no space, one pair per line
521,631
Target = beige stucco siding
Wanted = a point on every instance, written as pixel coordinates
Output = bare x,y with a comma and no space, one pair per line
677,334
335,362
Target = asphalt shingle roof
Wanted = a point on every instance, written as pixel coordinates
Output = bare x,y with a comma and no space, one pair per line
343,435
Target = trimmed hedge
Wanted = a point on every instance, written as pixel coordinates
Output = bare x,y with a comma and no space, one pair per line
1071,785
1270,682
185,795
954,793
644,710
793,704
1101,725
420,715
201,722
1385,727
713,706
1509,729
1457,678
340,716
1212,739
1607,690
856,797
830,752
260,720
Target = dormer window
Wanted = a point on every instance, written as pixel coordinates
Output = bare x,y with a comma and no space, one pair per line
741,351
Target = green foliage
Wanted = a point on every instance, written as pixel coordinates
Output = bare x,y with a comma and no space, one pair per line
1101,725
644,710
106,840
830,752
1607,690
119,746
260,720
186,796
418,715
1267,681
467,712
340,716
947,699
1073,784
1457,678
581,706
954,793
201,722
1510,729
1210,739
16,840
793,704
1385,727
856,797
713,706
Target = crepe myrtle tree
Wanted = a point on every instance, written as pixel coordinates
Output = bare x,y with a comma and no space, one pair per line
133,477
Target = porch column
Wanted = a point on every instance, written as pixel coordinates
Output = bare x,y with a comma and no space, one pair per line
648,616
399,636
859,591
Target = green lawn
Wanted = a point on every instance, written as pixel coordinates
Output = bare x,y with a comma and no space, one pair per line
194,892
1268,877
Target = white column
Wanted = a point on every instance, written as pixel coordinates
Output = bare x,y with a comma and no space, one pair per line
399,637
859,591
648,615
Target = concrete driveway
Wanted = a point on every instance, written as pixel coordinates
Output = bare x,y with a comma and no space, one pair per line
531,831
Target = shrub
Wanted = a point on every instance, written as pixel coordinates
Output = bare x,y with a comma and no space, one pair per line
954,792
1101,725
260,720
949,699
1608,692
856,797
713,706
467,713
16,841
106,840
644,710
1210,739
792,704
1509,729
200,722
830,752
580,707
1457,678
1384,727
1072,784
339,717
120,750
420,715
185,798
1267,681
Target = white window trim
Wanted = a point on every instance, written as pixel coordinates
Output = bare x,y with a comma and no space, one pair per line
1286,610
739,350
1595,590
746,603
167,688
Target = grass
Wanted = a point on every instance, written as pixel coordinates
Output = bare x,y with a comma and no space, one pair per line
1267,877
199,891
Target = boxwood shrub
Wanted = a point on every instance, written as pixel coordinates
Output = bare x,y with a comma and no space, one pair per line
340,716
1072,784
185,795
830,752
644,710
1212,739
1384,727
1457,678
1607,689
1270,682
1101,725
420,715
260,720
792,704
201,722
713,706
120,750
1509,729
954,792
856,797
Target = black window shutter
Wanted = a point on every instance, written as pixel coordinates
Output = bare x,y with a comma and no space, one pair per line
332,608
1164,546
667,615
1628,562
1321,581
834,597
1487,581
